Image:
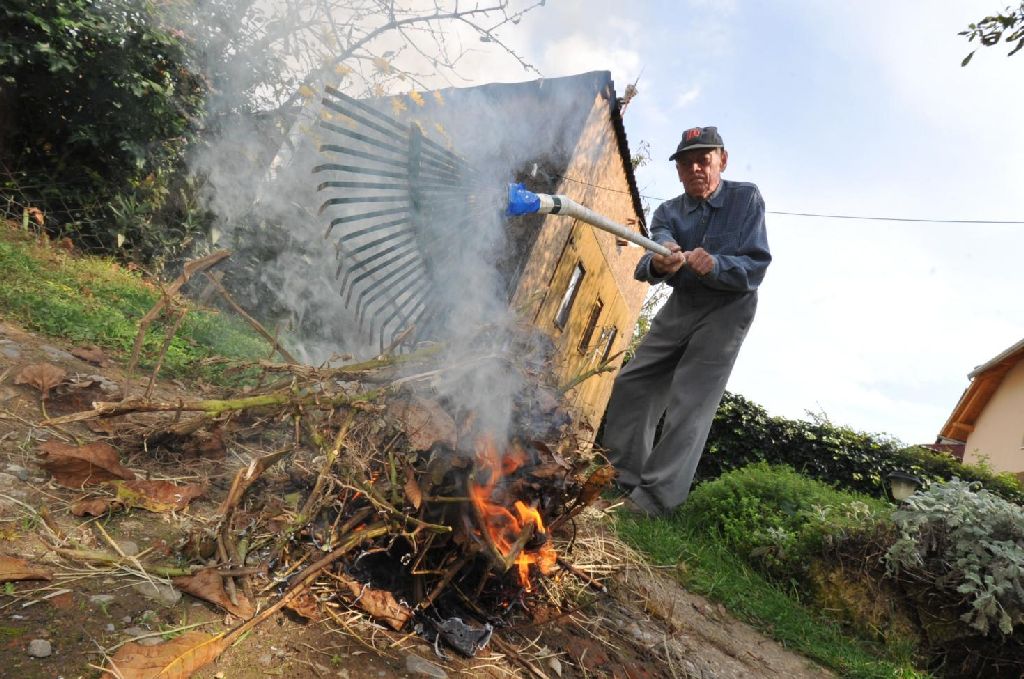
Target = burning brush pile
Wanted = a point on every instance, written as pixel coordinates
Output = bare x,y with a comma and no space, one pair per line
388,494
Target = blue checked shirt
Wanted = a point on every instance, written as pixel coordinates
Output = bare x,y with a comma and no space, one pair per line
729,225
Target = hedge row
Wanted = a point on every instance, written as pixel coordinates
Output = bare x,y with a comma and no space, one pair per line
743,433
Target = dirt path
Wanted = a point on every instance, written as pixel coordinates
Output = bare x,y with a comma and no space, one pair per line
645,626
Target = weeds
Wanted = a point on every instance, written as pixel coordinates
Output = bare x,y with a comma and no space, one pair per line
94,300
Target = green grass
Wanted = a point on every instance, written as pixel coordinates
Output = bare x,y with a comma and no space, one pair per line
706,566
90,300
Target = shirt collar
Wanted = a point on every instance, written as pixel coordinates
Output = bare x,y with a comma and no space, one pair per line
715,200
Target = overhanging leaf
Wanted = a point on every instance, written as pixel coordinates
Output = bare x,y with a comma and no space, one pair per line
174,659
97,506
77,466
156,496
379,603
208,585
42,376
12,569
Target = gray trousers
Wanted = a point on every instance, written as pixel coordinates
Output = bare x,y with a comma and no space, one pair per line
680,369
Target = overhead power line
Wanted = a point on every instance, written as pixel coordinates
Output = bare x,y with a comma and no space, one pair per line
875,218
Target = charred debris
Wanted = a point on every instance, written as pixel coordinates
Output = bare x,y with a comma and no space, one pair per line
381,491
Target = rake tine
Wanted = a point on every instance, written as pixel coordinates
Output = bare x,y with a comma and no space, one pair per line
396,305
436,149
379,241
393,296
361,185
348,200
395,256
376,127
415,298
335,167
336,148
368,215
398,150
360,263
403,322
351,235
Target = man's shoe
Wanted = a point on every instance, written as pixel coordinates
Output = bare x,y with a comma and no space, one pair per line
631,506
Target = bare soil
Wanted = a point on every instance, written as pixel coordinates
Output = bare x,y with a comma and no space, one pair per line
646,625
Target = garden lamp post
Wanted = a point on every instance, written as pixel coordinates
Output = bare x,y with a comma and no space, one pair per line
902,485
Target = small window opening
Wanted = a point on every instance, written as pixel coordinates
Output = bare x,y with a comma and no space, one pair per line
588,331
569,297
612,334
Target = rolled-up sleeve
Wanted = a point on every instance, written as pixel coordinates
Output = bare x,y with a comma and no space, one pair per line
661,232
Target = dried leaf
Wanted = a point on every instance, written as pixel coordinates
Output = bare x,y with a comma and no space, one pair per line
305,605
595,484
177,658
156,496
549,472
17,569
208,585
425,423
379,603
77,466
412,487
97,506
42,376
91,354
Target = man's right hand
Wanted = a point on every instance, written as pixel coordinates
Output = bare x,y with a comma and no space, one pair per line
662,266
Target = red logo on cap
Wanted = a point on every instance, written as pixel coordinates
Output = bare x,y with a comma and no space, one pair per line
692,133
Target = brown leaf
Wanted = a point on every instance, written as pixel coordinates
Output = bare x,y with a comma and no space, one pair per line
549,472
177,658
595,484
36,214
77,466
208,585
97,506
205,444
17,569
305,605
156,496
42,376
412,487
379,603
425,423
91,353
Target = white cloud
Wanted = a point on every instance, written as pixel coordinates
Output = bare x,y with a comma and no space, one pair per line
580,52
684,99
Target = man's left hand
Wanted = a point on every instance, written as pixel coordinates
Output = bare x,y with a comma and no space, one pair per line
701,261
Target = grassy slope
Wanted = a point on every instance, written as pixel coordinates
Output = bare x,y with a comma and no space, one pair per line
707,567
94,300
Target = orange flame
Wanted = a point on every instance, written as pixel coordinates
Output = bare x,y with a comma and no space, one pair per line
504,527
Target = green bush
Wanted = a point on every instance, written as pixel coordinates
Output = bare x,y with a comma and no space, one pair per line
743,433
779,520
968,544
98,106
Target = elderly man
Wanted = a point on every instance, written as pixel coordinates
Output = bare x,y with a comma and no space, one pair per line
716,233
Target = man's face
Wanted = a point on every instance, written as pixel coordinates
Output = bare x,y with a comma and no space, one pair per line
700,171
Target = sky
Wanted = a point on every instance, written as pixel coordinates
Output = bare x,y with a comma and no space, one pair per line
849,108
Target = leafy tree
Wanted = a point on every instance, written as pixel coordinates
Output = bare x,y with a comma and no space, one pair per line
97,103
1007,26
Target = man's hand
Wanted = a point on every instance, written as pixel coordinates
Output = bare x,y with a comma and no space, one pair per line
662,266
700,260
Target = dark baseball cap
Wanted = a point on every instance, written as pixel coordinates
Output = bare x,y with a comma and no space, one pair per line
698,138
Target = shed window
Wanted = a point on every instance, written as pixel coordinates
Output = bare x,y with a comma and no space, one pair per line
588,332
569,297
612,334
